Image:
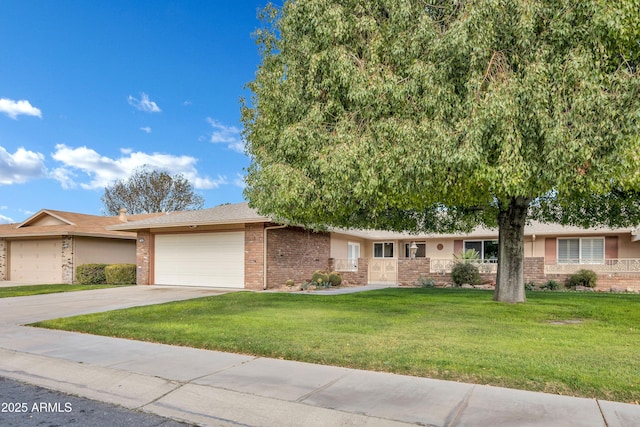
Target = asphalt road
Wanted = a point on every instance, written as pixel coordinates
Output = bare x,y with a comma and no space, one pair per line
28,405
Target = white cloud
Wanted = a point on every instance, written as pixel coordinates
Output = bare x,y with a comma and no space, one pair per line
239,181
104,171
229,135
144,104
6,220
146,129
15,108
21,166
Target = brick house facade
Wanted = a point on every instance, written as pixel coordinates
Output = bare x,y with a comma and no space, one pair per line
273,253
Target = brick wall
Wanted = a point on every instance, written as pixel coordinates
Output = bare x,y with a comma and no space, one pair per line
294,253
354,278
3,259
66,257
534,270
409,270
254,256
143,263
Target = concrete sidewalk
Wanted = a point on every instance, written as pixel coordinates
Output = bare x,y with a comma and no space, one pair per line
224,389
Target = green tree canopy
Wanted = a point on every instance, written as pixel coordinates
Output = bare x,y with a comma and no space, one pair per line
441,115
150,191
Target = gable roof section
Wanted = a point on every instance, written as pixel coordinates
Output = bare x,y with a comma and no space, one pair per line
48,222
238,213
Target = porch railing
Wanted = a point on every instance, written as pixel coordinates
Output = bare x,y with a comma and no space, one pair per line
611,265
444,266
345,264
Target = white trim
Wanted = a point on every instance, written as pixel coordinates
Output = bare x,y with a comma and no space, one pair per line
393,249
580,257
464,244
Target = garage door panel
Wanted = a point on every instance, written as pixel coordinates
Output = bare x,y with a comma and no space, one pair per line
35,261
204,259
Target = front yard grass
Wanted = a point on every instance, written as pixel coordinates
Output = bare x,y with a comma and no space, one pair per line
564,343
20,291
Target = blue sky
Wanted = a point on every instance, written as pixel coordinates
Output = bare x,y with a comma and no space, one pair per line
91,90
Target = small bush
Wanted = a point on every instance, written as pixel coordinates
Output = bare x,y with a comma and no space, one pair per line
467,256
586,278
465,273
120,274
335,278
319,278
426,282
290,283
91,274
551,285
530,286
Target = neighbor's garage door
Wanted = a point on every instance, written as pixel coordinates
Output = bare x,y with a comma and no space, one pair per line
204,259
35,261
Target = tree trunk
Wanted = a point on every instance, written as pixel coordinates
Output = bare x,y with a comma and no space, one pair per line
510,278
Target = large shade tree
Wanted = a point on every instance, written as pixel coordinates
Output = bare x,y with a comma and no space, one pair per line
443,115
151,191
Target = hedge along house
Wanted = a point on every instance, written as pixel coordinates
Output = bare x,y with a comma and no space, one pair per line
233,246
49,245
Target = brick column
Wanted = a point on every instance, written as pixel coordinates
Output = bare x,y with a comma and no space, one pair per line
66,257
143,263
253,256
3,259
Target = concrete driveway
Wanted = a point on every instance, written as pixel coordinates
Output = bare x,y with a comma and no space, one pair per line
225,389
33,308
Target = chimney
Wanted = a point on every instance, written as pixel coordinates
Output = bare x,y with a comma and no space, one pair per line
123,215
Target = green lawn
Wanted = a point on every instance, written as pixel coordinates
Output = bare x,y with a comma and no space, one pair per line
566,343
21,291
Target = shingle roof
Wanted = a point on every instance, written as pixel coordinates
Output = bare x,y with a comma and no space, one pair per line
241,213
69,223
237,213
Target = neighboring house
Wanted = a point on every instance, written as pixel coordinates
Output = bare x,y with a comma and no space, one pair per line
233,246
48,246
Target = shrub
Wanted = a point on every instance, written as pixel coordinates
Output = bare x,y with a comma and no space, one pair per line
467,256
465,273
530,286
120,274
583,277
426,282
91,274
551,285
319,278
290,283
335,278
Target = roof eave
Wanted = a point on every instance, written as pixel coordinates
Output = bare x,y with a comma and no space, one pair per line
133,227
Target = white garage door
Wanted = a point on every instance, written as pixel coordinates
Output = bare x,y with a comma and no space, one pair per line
35,261
204,259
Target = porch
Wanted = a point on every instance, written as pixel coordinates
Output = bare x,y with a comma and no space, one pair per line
613,274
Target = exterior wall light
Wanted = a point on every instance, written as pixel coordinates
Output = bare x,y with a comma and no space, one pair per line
413,248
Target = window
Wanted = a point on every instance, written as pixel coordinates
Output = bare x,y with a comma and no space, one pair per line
420,253
353,253
383,250
581,251
488,249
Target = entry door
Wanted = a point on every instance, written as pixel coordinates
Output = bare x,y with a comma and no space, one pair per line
353,253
